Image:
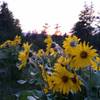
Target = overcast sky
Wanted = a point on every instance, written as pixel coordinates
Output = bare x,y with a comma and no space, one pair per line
34,13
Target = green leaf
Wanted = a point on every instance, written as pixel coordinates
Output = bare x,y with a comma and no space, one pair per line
2,55
23,95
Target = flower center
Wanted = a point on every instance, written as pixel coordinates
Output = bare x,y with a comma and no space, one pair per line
53,45
64,79
74,80
83,54
73,44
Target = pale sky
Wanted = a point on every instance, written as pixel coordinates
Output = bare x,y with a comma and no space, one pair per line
34,13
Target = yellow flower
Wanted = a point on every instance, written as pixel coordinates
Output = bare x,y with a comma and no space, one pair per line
95,64
51,83
48,41
62,79
45,90
63,60
23,55
16,41
6,44
26,46
70,44
57,66
66,81
40,53
76,84
43,72
49,79
52,51
83,56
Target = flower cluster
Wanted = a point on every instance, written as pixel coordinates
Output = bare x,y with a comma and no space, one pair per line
59,66
9,43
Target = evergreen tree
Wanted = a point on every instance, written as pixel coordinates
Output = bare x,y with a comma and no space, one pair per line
83,28
9,27
96,32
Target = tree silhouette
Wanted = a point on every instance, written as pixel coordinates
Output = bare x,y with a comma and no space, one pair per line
9,27
83,28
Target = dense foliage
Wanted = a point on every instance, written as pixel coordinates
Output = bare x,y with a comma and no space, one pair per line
66,72
85,29
9,27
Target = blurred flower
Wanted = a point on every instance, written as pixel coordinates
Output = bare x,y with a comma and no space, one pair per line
16,41
95,64
27,47
48,42
40,53
65,80
76,86
23,55
83,55
63,60
70,44
46,90
6,44
9,43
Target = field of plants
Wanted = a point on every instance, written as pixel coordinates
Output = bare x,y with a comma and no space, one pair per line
66,72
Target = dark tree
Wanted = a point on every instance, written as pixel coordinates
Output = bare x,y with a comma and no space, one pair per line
96,32
83,28
9,27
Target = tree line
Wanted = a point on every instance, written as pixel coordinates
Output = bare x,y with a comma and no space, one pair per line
84,28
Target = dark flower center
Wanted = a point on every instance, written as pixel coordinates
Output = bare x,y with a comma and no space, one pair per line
53,45
64,79
73,44
30,54
84,54
74,80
